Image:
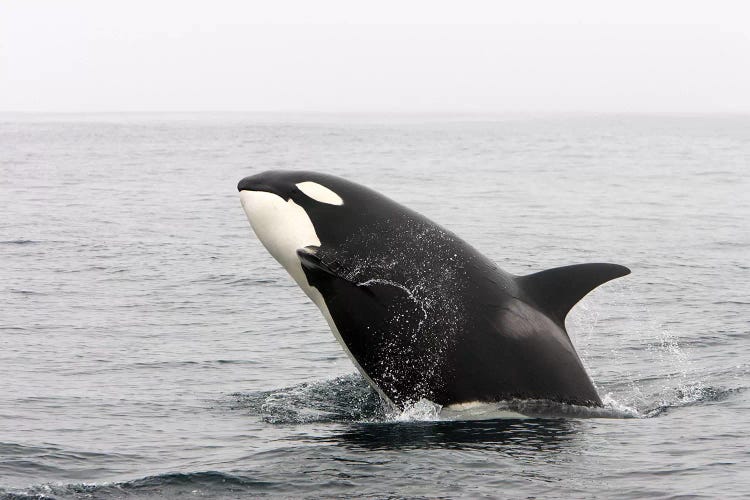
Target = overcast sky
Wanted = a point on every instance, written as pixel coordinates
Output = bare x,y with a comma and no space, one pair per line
391,56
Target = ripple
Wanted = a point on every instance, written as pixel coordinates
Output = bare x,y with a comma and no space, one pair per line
18,242
211,483
690,396
347,398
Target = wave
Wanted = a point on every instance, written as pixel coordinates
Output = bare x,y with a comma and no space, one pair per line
209,483
350,399
347,398
18,242
690,396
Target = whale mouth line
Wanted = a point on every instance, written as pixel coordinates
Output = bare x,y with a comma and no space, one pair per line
258,188
249,184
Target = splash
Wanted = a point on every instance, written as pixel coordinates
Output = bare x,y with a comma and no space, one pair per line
673,378
351,399
619,408
423,410
410,293
347,398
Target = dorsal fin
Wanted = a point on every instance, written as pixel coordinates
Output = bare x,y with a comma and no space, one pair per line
556,291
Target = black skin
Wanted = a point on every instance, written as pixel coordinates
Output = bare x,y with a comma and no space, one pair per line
426,315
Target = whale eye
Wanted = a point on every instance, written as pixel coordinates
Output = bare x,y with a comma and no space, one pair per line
320,193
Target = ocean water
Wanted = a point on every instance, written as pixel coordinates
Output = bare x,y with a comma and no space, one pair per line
150,347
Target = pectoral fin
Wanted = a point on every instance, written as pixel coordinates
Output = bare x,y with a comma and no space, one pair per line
331,280
314,266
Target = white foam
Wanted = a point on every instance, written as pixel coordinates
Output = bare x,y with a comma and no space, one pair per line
423,410
617,407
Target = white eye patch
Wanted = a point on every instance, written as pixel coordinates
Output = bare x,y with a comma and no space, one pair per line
320,193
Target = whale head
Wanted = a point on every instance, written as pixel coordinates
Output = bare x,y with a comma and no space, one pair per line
284,208
299,216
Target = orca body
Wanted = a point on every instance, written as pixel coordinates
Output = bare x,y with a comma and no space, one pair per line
420,312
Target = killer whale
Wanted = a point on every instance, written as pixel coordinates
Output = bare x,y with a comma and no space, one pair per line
420,312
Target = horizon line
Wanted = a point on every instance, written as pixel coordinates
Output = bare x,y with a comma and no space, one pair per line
383,112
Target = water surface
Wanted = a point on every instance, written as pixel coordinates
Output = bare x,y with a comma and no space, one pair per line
151,346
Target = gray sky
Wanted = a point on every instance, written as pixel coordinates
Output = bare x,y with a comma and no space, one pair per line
393,56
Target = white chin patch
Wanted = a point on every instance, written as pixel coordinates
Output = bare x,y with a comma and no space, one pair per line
283,227
320,193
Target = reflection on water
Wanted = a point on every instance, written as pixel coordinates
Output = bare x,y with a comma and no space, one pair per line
510,435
